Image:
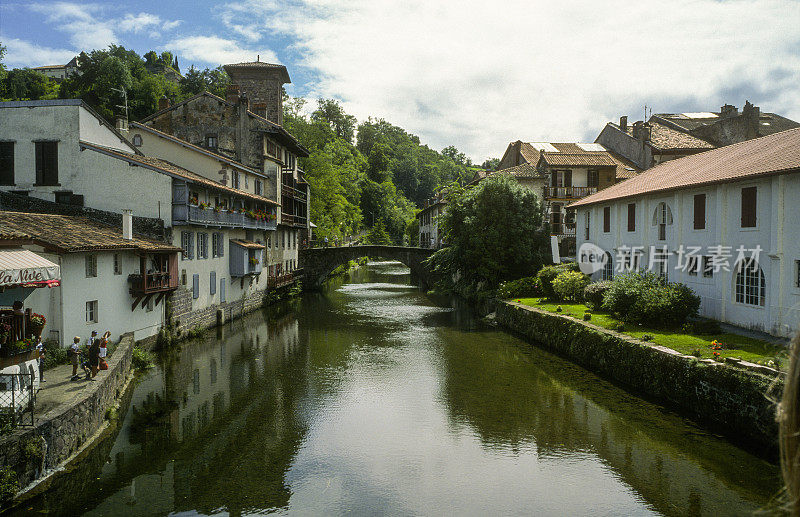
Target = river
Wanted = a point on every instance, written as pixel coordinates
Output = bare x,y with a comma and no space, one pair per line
371,398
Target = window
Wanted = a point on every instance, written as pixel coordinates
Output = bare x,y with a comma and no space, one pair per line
183,277
593,178
117,264
257,185
91,311
749,207
283,240
187,243
137,140
195,286
587,224
211,141
606,219
6,163
202,245
797,273
708,267
47,163
235,179
608,267
631,217
91,266
699,211
692,265
217,244
751,287
662,217
64,197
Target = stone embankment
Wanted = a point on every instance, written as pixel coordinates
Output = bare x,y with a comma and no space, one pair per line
62,431
737,402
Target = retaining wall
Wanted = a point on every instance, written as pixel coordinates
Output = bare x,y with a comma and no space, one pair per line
63,430
731,400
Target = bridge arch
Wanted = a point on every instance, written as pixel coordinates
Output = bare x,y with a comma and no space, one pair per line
318,263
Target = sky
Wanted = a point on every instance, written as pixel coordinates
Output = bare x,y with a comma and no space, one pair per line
474,74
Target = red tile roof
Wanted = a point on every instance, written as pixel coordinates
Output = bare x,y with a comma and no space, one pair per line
771,154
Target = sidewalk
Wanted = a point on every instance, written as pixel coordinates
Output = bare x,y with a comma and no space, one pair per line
59,389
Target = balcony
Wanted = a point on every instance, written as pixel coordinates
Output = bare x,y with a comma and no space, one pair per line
275,282
293,192
223,218
562,229
161,275
568,192
298,221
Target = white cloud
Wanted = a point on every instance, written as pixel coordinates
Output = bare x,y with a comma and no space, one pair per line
214,50
479,74
23,53
138,22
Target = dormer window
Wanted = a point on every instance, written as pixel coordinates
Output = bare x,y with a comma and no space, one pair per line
211,141
137,140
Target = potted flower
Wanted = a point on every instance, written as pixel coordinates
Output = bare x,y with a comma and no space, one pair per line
217,208
253,261
37,323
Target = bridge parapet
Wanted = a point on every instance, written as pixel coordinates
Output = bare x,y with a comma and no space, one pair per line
318,263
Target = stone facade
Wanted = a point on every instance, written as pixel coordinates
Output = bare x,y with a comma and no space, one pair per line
62,431
179,306
262,84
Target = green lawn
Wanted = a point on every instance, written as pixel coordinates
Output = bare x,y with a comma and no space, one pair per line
746,348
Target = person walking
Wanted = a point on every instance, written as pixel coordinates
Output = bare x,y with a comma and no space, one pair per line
75,357
104,350
40,350
94,356
326,241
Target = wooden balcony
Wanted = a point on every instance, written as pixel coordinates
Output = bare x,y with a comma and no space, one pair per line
293,192
275,282
159,278
568,192
562,229
293,220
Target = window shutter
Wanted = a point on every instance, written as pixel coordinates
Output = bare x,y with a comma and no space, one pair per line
221,250
195,286
7,163
222,290
39,163
568,178
631,217
213,283
51,154
606,218
749,207
699,211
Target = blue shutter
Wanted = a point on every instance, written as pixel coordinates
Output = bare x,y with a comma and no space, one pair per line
222,290
221,244
195,286
213,282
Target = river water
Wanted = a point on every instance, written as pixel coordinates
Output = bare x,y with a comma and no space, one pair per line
372,399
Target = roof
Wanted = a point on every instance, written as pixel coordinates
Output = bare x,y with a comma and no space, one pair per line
71,234
48,67
247,244
523,170
163,166
626,169
666,138
197,148
259,65
280,132
579,159
771,154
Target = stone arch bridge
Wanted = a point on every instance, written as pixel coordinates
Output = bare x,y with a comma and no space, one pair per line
318,263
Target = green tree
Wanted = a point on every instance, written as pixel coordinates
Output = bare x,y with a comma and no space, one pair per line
494,232
26,84
490,164
378,235
329,111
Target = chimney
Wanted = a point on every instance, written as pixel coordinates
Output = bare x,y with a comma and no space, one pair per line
122,124
232,93
728,111
127,225
623,123
163,103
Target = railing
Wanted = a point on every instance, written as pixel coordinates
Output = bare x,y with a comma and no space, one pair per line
568,192
18,323
284,279
17,398
290,191
153,282
294,220
195,214
562,229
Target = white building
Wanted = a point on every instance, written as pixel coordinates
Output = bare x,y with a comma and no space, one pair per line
709,206
429,236
101,275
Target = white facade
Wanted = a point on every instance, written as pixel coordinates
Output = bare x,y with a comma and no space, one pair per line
104,183
731,295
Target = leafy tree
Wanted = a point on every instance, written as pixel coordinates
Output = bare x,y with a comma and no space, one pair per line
378,235
26,84
331,112
491,164
214,80
494,231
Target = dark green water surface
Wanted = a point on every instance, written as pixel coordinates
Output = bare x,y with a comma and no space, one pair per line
372,399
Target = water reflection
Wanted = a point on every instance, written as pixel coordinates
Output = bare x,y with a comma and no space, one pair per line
371,398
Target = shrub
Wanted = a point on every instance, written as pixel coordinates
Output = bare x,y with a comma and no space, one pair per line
142,359
593,293
547,274
587,316
54,354
620,327
8,484
569,285
645,298
527,287
559,309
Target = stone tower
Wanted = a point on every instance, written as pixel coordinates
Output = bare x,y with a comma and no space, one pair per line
261,83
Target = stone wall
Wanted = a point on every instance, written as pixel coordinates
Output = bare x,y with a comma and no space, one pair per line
179,306
735,402
63,430
145,226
